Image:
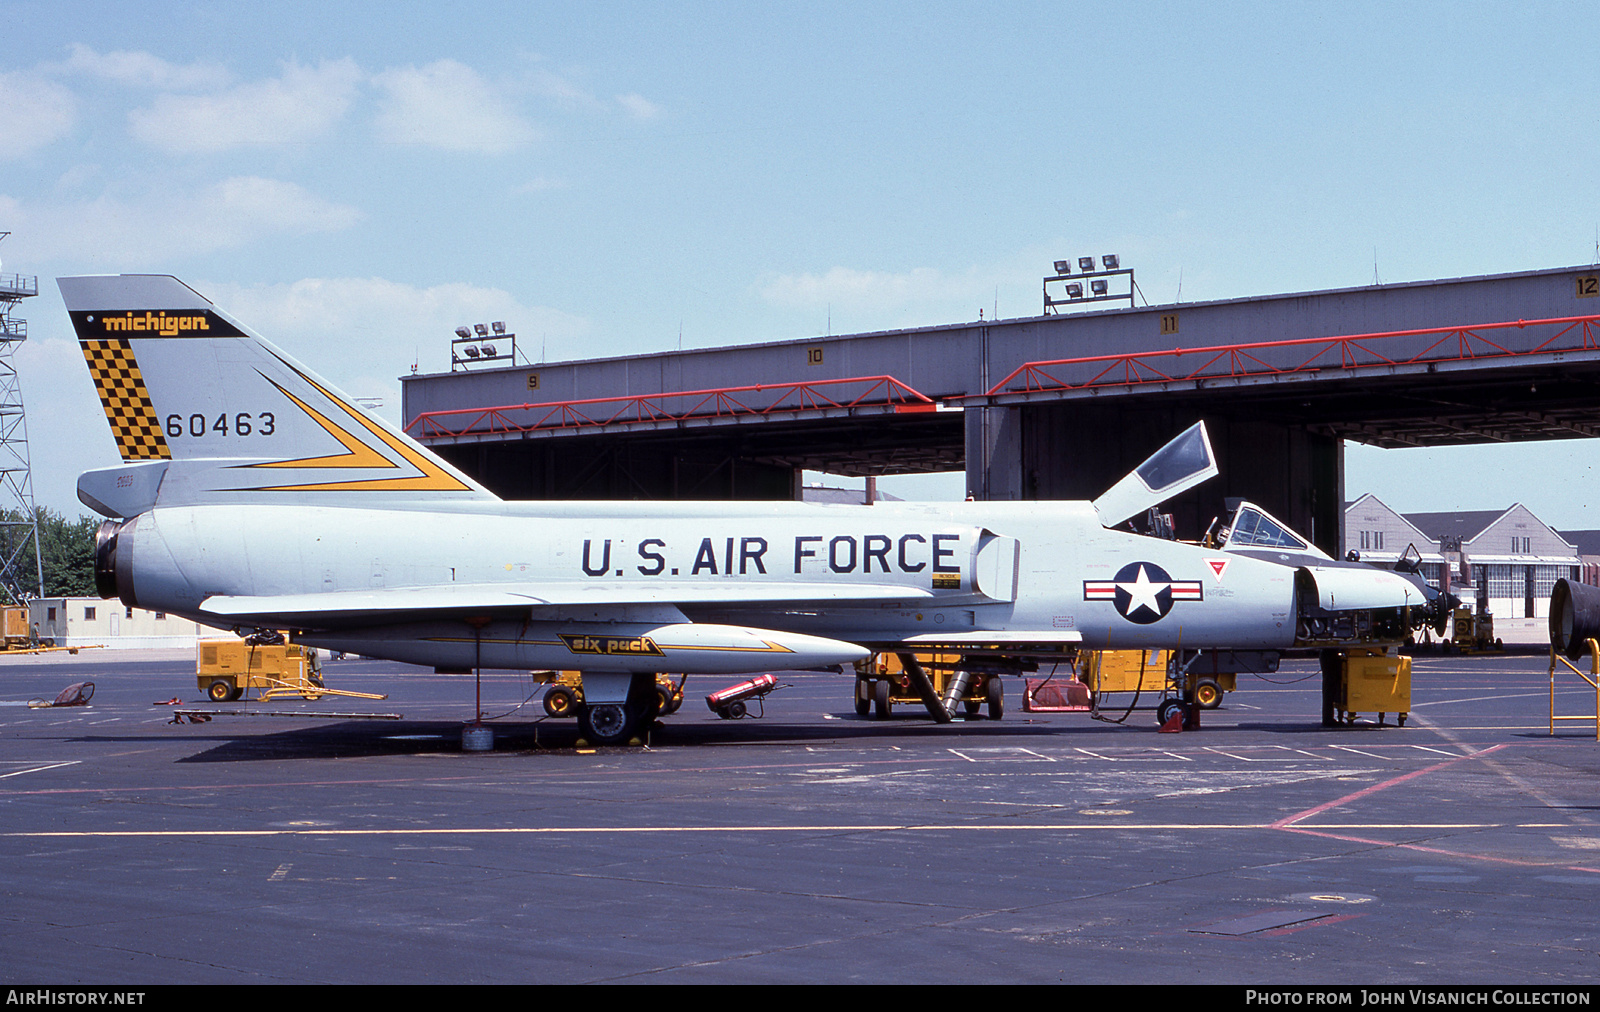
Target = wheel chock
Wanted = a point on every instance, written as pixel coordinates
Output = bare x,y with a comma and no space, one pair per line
1174,723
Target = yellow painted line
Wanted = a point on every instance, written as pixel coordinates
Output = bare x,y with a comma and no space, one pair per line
767,647
1101,825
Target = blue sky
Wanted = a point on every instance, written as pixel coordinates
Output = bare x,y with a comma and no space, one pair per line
355,180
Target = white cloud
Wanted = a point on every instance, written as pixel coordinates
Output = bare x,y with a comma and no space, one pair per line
112,232
361,333
448,105
873,300
33,112
302,104
639,107
144,69
847,288
563,92
242,206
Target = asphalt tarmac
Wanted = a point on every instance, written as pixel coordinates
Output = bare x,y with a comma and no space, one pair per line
805,845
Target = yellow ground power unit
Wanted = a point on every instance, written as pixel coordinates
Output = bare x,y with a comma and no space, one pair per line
228,668
1375,682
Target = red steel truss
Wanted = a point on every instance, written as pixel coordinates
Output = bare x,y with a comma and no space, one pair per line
1262,359
1427,346
884,393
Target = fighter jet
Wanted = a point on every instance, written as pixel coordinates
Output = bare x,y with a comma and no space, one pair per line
253,495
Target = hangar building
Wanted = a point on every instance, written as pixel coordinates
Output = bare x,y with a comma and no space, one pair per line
1056,406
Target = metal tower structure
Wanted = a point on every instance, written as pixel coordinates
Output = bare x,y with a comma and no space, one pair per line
21,568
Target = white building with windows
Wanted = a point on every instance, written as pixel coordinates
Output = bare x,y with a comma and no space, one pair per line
1515,557
94,622
1381,536
1588,543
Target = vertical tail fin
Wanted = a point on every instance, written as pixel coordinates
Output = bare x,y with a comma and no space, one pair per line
204,411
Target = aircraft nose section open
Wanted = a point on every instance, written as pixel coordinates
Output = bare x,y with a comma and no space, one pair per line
1361,588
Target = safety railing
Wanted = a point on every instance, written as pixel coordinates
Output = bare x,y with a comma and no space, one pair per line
1426,346
19,285
883,393
1592,679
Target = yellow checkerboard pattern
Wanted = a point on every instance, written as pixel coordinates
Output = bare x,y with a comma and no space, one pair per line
127,402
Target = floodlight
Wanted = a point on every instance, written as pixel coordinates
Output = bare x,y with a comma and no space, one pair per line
1086,263
1109,261
1098,286
499,326
463,332
471,350
1074,291
1063,266
489,352
480,329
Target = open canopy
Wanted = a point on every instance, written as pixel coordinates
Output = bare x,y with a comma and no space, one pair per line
1177,467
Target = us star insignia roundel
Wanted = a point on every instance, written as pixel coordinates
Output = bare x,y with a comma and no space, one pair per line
1142,592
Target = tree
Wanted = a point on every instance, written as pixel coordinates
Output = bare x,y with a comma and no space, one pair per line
66,551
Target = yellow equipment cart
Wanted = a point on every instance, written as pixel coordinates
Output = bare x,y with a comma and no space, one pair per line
226,669
882,682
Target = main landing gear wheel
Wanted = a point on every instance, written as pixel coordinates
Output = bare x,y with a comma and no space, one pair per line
997,699
605,724
1208,694
618,723
863,697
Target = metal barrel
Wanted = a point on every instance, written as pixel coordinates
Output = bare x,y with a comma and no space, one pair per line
760,683
1574,618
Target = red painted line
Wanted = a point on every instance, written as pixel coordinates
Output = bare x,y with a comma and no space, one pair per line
1445,852
717,402
1286,822
1345,344
1320,922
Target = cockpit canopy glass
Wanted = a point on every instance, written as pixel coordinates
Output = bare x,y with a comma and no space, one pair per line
1185,456
1254,529
1178,466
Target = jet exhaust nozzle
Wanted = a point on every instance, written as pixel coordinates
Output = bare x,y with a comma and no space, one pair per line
1574,618
105,558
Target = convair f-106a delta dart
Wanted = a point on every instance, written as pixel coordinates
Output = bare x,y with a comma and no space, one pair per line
254,496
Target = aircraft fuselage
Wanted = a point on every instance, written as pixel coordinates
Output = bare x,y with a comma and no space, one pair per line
546,575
